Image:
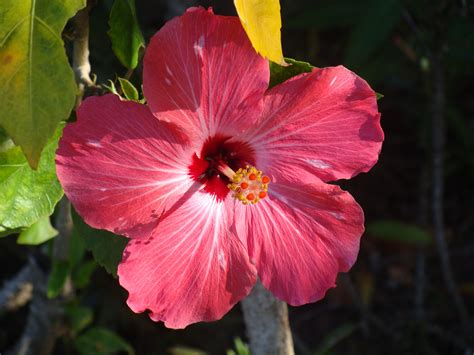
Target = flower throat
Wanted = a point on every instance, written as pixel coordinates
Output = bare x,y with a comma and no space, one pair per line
225,166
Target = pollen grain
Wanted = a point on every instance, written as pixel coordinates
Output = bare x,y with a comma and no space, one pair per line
249,185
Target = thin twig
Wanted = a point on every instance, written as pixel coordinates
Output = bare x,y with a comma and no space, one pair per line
39,335
438,142
17,292
420,264
80,59
129,74
449,337
348,284
416,30
64,226
43,324
420,277
266,320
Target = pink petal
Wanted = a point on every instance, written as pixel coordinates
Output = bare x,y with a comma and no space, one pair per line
202,71
323,123
120,166
300,237
193,269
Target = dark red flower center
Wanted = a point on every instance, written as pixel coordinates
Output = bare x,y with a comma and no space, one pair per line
218,151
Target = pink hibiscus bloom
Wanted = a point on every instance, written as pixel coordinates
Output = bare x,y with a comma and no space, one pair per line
219,179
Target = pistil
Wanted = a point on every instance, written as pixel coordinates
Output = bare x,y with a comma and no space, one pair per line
248,184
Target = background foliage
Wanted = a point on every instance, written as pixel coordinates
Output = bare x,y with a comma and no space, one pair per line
398,298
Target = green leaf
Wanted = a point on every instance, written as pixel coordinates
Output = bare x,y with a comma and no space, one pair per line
5,144
379,95
460,36
106,247
3,138
373,27
328,14
77,249
7,232
82,274
38,233
129,91
127,39
394,231
334,337
111,87
61,269
279,74
37,88
79,317
57,278
27,195
101,341
240,348
185,350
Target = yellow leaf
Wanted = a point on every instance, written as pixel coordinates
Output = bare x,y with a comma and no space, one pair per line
262,22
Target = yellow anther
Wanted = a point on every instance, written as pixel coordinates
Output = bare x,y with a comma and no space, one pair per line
249,185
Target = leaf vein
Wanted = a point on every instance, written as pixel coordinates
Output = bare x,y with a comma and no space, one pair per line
9,33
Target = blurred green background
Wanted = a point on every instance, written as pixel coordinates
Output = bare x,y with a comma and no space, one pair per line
409,292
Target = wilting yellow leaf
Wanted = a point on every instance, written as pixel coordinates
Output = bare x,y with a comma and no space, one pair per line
262,22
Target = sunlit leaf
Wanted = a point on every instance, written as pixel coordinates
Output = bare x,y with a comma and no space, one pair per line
111,87
38,233
127,39
262,21
7,232
129,91
37,88
27,195
101,341
240,348
279,74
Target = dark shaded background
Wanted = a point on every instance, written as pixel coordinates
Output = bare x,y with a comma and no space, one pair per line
405,295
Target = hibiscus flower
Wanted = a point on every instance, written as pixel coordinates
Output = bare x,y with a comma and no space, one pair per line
220,179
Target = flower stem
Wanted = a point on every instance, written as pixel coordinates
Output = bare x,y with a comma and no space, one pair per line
266,320
80,58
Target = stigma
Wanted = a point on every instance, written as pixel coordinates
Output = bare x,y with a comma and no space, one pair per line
249,185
